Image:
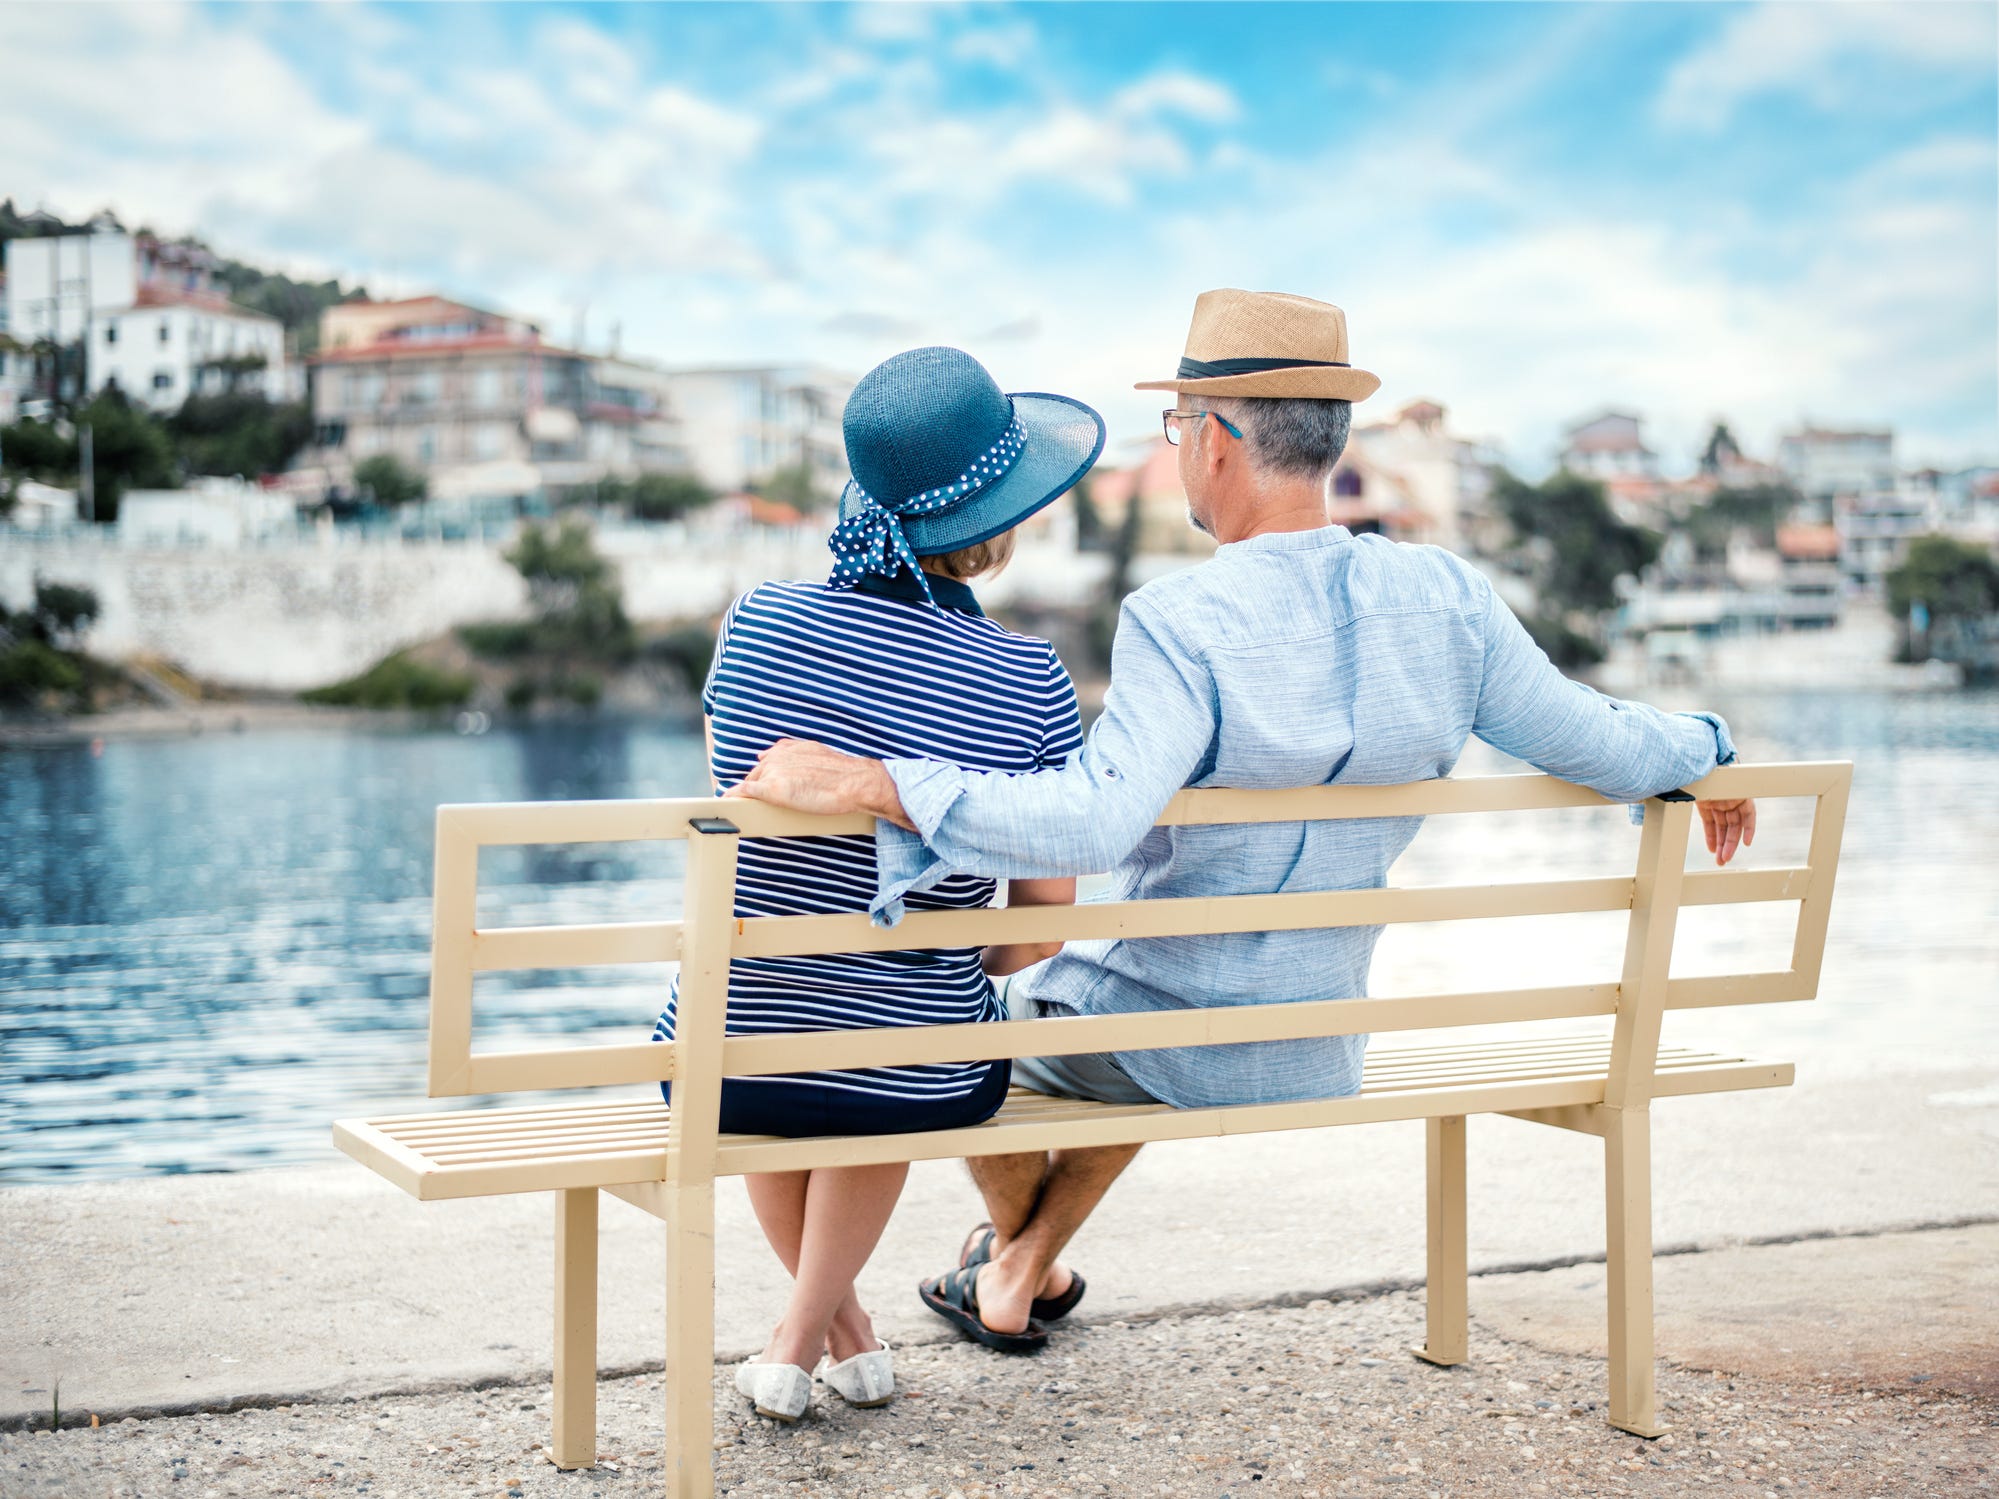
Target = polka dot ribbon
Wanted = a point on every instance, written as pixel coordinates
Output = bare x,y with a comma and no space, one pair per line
871,540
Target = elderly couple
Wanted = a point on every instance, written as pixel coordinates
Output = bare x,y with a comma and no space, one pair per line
1299,655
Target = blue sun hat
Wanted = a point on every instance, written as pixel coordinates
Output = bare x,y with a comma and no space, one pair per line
942,459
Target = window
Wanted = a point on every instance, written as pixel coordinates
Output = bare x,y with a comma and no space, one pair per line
163,379
111,333
166,332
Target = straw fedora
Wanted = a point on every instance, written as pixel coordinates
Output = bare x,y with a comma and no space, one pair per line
1267,343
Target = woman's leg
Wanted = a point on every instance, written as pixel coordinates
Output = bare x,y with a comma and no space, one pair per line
846,1209
778,1198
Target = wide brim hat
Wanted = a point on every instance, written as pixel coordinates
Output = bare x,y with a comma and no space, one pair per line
899,426
1267,343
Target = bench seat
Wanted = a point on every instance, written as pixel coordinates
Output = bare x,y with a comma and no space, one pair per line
486,1152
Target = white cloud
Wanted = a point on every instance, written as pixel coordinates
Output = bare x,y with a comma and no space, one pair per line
1185,94
723,226
1814,51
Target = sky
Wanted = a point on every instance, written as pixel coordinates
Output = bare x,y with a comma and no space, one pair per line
1768,213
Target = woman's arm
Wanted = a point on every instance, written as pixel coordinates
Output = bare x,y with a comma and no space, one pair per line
1011,957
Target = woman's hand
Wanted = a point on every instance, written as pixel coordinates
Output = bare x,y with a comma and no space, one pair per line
1011,957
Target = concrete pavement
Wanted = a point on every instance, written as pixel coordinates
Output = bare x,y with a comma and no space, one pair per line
174,1294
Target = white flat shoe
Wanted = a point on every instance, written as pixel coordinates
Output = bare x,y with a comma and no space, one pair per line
865,1381
779,1391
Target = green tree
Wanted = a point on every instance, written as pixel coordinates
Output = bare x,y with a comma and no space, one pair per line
1089,520
37,450
1575,549
1101,630
657,496
1757,508
239,432
62,611
390,480
791,485
1951,579
131,449
578,605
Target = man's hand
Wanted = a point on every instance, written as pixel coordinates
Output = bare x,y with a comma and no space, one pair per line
1729,825
809,777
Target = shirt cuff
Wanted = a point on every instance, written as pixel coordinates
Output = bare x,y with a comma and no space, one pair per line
904,863
1724,754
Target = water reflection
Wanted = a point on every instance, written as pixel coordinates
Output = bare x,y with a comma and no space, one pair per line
209,948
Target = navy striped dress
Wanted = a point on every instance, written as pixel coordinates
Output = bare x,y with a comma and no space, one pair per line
872,671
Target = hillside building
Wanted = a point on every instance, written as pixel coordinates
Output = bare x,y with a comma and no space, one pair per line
481,404
743,424
150,318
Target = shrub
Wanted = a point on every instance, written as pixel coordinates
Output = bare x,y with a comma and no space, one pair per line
583,690
391,483
62,610
29,670
500,639
657,496
397,681
520,695
687,651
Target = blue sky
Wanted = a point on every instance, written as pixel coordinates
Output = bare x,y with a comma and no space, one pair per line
1767,212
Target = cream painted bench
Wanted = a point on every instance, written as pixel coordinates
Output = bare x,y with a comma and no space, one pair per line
666,1162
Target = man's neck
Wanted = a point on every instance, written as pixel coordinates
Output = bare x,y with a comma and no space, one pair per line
1298,505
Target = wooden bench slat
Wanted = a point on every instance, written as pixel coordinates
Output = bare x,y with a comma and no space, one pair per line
545,1148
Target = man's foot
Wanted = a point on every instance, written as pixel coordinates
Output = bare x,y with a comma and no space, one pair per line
1059,1292
956,1297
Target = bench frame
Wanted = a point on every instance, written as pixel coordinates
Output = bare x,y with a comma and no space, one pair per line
666,1161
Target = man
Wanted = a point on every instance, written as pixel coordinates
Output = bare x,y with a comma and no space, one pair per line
1298,655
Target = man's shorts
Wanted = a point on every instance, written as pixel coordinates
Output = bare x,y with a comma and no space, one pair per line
1091,1075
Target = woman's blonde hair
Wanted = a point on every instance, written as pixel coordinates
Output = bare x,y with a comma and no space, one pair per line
987,556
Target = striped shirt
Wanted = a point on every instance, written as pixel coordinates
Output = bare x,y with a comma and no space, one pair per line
874,672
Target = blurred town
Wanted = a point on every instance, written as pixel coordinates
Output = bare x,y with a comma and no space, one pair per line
220,483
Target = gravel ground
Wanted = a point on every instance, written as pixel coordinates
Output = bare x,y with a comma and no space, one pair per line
1322,1400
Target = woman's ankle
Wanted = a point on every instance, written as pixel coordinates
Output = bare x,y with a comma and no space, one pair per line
848,1337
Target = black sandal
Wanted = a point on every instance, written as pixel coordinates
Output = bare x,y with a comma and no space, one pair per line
955,1298
979,1249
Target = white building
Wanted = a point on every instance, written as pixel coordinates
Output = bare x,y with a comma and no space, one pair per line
147,313
1609,446
741,425
480,404
1446,479
223,513
1826,464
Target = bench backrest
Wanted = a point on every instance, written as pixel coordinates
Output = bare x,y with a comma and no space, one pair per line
709,935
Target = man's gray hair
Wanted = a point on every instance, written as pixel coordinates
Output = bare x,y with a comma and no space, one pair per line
1289,436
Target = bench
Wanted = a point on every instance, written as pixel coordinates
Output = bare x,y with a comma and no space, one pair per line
665,1162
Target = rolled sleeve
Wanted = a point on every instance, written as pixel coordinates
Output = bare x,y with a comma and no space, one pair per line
1157,725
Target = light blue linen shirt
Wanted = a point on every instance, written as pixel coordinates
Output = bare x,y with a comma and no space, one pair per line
1303,658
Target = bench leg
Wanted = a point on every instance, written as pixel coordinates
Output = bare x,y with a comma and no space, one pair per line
575,1440
1444,1298
690,1341
1627,1179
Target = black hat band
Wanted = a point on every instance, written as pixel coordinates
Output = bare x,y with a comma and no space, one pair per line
1220,369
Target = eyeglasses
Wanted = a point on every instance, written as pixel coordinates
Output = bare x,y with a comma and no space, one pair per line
1171,420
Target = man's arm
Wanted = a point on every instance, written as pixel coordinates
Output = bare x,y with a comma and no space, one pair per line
1627,751
1156,729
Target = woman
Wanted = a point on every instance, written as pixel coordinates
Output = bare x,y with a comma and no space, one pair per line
891,656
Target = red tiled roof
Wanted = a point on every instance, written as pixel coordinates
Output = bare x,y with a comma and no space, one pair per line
1808,543
401,348
153,294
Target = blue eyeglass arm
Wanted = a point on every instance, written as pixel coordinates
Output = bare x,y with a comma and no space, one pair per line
1227,425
